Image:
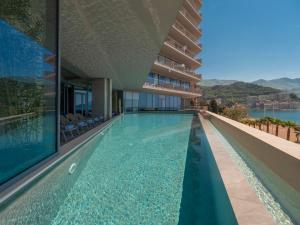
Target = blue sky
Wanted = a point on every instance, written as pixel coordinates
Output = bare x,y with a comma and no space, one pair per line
20,55
250,39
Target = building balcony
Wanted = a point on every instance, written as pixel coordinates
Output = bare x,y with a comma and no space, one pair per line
191,7
181,34
169,89
196,4
172,69
179,53
189,22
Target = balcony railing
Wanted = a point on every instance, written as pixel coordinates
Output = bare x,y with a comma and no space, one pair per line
174,87
180,47
176,66
186,32
192,2
189,17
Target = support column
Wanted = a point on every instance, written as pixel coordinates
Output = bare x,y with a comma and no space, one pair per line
109,98
99,101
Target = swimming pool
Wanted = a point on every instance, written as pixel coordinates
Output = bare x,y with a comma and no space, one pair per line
144,169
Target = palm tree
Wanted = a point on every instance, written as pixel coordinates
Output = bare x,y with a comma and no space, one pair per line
252,122
259,123
263,121
246,121
277,122
268,120
290,125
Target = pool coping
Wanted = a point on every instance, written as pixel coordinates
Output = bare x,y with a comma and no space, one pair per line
17,185
247,207
287,147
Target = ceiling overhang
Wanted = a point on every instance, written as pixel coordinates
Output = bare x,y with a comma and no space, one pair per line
117,39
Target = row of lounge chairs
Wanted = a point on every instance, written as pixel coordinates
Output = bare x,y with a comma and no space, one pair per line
74,125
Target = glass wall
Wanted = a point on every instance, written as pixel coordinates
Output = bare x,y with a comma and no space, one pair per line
155,79
28,84
75,97
140,101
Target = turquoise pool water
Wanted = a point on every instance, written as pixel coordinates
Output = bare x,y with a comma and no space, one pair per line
145,169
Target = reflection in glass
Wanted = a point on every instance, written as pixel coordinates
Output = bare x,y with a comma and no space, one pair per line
135,101
27,84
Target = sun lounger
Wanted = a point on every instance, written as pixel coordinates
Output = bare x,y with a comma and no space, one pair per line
81,124
89,121
98,119
67,127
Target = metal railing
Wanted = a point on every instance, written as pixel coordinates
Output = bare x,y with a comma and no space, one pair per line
186,32
176,66
180,47
189,17
174,87
192,2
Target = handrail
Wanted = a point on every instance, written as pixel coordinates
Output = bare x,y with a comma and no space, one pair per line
194,5
189,17
176,66
171,86
180,47
186,32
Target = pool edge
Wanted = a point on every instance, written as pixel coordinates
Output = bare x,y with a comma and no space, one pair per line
247,207
20,183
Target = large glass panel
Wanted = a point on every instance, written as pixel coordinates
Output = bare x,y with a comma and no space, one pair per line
90,99
143,101
149,101
128,101
81,98
172,102
28,83
78,102
135,101
162,102
178,103
155,101
167,102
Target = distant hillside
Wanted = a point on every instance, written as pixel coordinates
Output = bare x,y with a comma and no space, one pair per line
214,82
291,85
287,84
281,83
236,92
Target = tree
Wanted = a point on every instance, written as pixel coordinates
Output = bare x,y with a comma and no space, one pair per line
277,122
259,123
290,125
268,120
213,106
237,114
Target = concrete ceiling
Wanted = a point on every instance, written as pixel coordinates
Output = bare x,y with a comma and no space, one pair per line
117,39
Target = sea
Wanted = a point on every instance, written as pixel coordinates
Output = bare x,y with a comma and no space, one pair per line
293,116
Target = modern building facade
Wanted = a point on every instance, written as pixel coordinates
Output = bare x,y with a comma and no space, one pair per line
63,57
172,82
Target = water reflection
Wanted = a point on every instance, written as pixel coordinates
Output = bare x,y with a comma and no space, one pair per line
27,84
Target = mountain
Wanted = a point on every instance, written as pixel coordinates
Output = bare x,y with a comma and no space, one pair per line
287,84
281,83
236,92
213,82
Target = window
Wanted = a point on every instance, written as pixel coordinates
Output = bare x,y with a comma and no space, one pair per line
80,102
143,101
90,99
28,83
135,101
128,101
